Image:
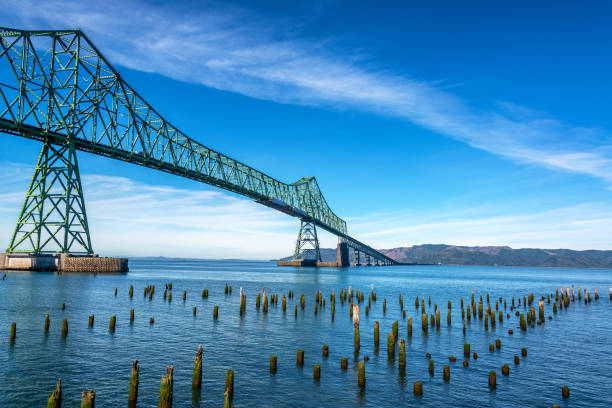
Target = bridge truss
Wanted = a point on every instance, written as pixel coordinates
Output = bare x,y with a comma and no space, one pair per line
56,87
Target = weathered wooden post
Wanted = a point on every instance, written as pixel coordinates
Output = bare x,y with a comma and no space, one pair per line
344,363
115,291
409,326
273,360
395,329
390,345
430,367
88,398
466,350
285,304
505,370
184,296
448,316
55,397
170,297
492,379
402,354
418,388
424,322
356,326
13,331
565,392
216,312
524,352
446,373
376,333
316,372
91,321
300,358
325,350
229,388
498,344
65,327
196,381
133,396
361,379
111,324
131,292
131,316
47,323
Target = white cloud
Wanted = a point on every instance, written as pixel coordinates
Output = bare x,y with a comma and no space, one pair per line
234,49
582,226
138,219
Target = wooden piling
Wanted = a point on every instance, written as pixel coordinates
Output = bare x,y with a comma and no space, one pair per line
204,293
390,345
466,350
395,330
170,297
65,328
361,378
133,395
475,356
184,296
151,321
47,322
273,360
424,322
13,331
565,392
402,354
524,352
285,304
55,397
418,388
131,316
498,344
88,399
325,350
505,370
384,306
430,367
196,380
344,363
229,389
491,348
111,324
295,312
131,291
115,291
409,326
91,321
300,358
216,312
63,306
516,360
316,372
448,316
446,373
492,379
195,310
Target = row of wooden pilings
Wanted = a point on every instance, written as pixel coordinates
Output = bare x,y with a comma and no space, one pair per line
562,298
166,389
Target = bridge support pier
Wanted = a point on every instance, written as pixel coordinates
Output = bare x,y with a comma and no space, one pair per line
53,217
52,232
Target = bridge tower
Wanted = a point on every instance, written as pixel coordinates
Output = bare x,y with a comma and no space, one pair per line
307,245
53,217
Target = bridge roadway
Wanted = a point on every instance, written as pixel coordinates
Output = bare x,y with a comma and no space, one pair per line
56,87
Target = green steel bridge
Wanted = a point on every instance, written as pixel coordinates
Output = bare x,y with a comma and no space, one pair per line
57,87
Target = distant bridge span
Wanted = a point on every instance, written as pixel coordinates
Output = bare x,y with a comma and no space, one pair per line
56,87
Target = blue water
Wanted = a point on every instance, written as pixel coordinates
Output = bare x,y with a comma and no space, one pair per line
573,349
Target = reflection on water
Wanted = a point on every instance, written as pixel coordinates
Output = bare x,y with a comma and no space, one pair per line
573,349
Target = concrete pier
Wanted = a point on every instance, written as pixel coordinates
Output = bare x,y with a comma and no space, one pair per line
62,263
342,260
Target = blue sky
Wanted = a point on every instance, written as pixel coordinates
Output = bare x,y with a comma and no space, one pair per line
471,123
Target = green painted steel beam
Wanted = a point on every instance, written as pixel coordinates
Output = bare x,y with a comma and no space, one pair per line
57,87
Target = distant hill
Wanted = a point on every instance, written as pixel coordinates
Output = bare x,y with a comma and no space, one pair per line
491,256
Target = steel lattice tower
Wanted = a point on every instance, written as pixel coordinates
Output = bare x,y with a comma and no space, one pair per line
307,245
53,217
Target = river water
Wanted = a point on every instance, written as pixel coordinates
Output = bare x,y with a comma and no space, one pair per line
573,349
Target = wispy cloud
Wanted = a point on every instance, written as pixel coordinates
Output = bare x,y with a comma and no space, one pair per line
127,217
582,226
236,50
